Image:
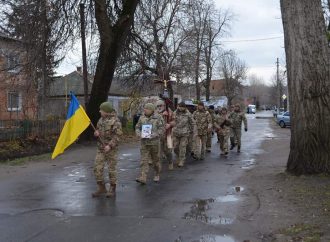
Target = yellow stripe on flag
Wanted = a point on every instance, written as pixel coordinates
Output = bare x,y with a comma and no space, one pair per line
73,127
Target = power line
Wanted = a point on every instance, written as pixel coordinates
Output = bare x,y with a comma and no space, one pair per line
251,40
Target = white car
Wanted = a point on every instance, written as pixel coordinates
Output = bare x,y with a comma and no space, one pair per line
251,108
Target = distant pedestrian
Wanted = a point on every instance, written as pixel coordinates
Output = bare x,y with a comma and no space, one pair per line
237,117
204,125
108,130
150,128
222,126
184,126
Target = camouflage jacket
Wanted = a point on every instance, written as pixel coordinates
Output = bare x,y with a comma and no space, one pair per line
222,124
184,123
203,121
158,128
212,113
110,131
237,118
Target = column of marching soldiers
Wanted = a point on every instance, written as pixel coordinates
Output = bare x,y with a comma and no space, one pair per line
161,131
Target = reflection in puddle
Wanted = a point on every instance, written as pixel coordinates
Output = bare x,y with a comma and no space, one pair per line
198,212
227,198
248,164
126,155
215,238
238,189
123,169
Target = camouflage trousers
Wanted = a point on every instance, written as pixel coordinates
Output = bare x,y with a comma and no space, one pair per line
165,151
237,135
190,145
180,148
200,145
101,159
150,152
223,140
209,140
232,137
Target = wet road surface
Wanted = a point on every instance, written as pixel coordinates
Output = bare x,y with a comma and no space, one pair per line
196,203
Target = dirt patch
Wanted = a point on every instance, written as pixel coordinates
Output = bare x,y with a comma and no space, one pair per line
280,206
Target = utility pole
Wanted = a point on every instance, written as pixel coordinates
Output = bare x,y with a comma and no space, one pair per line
278,87
83,45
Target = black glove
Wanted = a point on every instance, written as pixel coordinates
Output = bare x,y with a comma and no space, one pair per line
245,129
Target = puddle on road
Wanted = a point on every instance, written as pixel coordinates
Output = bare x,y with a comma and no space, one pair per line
227,198
270,135
126,155
214,238
81,179
198,212
248,164
237,189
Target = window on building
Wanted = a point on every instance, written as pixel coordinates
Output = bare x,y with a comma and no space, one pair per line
12,62
14,101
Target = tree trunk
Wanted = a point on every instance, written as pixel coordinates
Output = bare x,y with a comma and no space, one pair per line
112,37
307,58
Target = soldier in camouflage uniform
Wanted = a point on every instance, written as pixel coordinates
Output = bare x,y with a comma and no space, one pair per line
233,142
184,126
209,134
150,145
108,130
167,115
237,117
222,126
204,125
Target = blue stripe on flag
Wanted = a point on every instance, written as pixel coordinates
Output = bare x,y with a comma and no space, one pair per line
74,105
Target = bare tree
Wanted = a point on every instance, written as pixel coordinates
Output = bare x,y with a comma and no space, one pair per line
198,11
155,42
233,70
308,61
217,26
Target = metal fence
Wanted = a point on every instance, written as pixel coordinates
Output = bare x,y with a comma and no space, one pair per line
15,129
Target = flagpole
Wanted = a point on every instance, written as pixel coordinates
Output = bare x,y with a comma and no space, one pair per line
97,136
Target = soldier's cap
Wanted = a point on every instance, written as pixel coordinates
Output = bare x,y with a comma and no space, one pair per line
237,105
149,106
182,104
211,107
160,103
200,103
106,107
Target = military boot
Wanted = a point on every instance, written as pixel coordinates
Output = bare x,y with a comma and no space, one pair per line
100,190
112,191
142,179
180,164
238,149
232,146
170,166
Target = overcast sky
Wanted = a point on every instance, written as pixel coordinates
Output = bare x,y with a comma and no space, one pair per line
256,34
256,37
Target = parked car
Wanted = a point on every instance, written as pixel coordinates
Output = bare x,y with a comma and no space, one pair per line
283,120
275,112
251,108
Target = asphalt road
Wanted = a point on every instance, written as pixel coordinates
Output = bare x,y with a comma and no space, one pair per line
197,203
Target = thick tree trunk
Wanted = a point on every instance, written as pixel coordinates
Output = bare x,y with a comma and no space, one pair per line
307,58
113,37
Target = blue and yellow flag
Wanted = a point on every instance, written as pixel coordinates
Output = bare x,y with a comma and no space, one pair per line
76,122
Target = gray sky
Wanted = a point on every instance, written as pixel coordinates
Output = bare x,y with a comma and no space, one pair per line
256,34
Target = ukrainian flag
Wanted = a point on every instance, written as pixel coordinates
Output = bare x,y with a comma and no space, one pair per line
76,122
